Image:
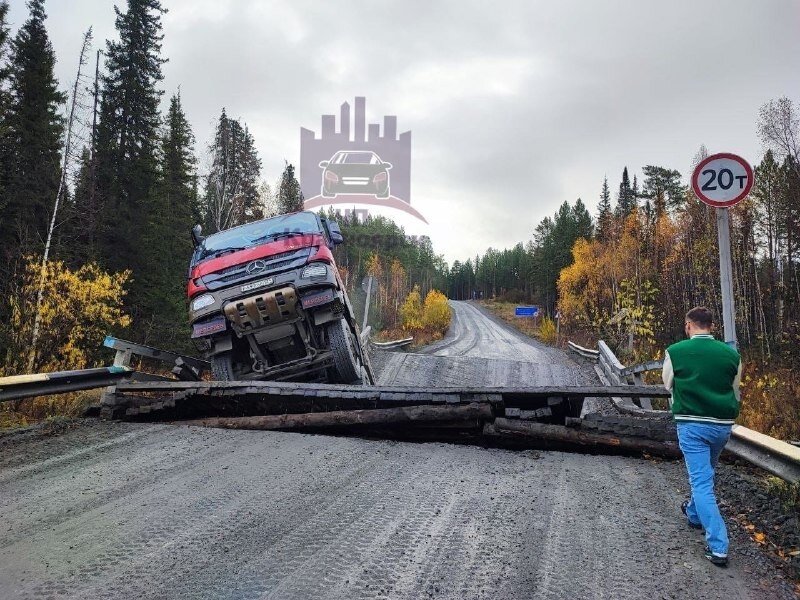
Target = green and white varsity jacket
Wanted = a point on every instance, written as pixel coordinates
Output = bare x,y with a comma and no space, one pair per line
703,375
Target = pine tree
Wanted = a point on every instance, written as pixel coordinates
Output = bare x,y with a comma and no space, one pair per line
604,216
252,208
179,177
6,153
232,193
625,197
35,129
290,198
664,188
127,136
167,241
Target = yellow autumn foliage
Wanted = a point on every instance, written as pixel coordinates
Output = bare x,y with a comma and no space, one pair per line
547,331
583,287
432,316
411,311
78,308
436,312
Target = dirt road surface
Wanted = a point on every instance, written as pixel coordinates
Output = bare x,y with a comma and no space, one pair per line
481,350
123,510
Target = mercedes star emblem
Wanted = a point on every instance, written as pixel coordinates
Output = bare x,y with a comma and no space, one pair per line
256,267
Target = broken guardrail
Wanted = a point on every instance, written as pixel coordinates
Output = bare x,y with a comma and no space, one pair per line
773,455
183,367
17,387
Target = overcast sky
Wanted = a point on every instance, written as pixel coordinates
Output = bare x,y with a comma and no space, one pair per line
514,107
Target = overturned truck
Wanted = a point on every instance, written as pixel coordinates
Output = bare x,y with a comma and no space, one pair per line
266,302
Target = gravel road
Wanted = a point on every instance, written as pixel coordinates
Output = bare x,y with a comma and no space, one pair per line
124,510
481,350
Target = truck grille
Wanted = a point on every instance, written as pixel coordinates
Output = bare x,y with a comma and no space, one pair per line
274,264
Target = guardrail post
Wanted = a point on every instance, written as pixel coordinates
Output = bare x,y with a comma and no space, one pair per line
122,358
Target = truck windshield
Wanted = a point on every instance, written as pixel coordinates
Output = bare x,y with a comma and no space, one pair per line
259,232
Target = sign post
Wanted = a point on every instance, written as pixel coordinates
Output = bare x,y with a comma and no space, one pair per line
366,285
722,180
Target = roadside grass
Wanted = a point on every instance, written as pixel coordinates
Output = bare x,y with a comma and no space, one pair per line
787,493
55,410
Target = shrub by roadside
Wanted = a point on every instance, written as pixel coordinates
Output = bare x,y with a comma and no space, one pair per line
426,321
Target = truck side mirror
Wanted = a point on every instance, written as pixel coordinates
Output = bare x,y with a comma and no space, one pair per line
197,237
336,233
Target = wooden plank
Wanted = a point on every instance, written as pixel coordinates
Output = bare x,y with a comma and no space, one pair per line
349,418
387,392
541,433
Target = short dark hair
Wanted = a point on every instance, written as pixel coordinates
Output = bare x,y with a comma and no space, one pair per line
701,316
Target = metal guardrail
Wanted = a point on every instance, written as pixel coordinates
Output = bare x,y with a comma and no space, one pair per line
365,340
394,344
188,366
774,456
585,352
17,387
610,369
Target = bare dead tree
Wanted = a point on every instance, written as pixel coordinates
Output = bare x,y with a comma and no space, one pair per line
67,153
779,129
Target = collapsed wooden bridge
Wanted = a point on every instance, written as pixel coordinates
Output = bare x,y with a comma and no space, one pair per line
534,417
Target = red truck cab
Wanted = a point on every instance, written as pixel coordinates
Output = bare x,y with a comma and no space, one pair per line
266,302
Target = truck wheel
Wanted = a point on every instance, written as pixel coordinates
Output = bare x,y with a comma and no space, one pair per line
222,367
342,343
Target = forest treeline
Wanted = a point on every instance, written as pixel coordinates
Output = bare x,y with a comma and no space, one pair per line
101,188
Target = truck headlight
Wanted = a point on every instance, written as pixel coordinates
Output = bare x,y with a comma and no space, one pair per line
316,270
202,301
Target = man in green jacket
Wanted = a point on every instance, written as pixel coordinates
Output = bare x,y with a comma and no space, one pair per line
703,375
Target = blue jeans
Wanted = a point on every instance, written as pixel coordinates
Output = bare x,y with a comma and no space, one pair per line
701,444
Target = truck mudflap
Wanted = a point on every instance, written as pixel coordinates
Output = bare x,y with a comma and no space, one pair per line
259,310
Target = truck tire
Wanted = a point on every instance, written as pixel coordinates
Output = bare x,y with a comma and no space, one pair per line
222,367
341,343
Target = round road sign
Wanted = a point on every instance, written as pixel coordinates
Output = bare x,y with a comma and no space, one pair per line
722,180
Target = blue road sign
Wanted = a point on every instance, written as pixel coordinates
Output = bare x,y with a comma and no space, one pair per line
526,311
